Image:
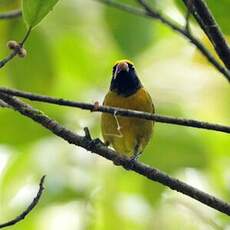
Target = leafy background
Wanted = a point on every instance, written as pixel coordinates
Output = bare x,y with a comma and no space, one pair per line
70,55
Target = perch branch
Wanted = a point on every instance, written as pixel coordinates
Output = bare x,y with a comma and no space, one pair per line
99,148
29,208
119,111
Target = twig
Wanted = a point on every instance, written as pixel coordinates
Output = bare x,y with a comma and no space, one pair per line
187,16
3,104
150,13
207,22
118,111
29,208
11,14
100,149
15,51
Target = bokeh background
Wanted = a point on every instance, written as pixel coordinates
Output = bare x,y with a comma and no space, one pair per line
70,55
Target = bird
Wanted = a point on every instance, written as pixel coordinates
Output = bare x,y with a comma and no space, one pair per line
127,135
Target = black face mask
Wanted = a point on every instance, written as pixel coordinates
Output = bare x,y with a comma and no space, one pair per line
125,83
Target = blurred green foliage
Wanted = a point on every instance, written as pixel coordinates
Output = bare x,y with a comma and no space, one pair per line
128,31
70,55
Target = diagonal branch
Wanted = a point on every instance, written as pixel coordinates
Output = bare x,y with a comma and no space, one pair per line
97,147
29,208
118,111
11,14
151,13
207,22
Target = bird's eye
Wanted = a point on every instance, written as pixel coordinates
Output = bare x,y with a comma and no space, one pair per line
131,67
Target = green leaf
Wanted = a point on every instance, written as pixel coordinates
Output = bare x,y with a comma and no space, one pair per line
35,10
131,33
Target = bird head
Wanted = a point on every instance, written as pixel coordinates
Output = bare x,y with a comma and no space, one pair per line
124,81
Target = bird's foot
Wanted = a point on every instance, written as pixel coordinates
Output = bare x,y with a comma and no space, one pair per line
95,106
92,142
135,156
132,161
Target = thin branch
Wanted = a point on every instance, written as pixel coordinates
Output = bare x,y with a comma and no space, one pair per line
150,13
187,16
207,22
118,111
16,50
3,104
100,149
11,14
29,208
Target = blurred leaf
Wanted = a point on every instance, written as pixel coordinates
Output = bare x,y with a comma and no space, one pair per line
132,33
220,10
7,2
175,147
82,68
14,174
35,10
170,152
135,184
18,130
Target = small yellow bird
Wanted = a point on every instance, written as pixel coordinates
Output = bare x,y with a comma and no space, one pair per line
127,135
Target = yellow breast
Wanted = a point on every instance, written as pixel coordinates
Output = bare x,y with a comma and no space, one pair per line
126,134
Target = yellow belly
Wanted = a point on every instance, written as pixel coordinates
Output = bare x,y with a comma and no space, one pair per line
126,134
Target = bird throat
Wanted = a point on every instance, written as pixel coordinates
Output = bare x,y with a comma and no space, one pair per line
125,84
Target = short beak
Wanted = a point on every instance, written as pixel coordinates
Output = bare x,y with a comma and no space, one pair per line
122,66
